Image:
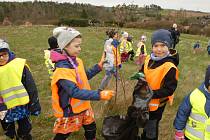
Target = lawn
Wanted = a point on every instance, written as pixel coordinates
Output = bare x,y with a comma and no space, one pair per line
30,42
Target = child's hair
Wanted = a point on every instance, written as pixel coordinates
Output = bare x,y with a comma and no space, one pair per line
129,38
111,33
52,41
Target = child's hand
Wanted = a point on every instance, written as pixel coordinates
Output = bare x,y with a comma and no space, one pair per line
106,94
102,61
179,135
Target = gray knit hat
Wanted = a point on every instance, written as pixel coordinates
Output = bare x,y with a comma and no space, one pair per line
163,36
65,36
4,44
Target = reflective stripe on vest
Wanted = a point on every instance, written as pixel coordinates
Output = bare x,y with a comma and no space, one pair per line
194,132
154,78
69,74
11,88
198,123
198,117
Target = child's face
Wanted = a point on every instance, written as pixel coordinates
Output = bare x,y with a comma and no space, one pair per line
160,49
4,57
209,88
116,36
74,47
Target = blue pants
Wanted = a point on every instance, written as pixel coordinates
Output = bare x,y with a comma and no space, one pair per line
107,78
23,131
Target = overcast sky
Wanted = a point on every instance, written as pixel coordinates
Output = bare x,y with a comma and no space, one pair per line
197,5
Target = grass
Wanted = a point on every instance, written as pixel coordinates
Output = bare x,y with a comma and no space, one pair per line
29,43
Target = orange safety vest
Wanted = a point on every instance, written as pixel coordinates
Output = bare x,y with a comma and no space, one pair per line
69,74
117,59
155,78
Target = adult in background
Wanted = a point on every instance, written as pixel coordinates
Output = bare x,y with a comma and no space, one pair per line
175,35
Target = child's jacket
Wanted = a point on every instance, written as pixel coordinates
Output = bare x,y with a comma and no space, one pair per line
193,114
19,93
162,77
111,54
69,95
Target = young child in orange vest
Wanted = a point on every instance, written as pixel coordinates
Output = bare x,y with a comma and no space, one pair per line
18,95
71,92
160,69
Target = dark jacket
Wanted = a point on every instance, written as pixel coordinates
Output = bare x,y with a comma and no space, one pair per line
169,83
30,86
185,109
175,35
67,89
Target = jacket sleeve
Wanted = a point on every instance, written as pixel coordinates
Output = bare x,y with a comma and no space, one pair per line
169,85
182,114
30,86
93,71
73,91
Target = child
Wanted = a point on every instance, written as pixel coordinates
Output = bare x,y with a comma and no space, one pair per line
141,52
192,118
130,47
124,47
52,41
19,94
160,69
208,48
112,58
196,46
70,89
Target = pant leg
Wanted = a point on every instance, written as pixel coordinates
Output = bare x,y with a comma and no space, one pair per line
24,129
9,129
90,131
105,80
151,131
132,54
60,136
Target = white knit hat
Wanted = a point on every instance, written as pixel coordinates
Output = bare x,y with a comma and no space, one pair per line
4,44
125,34
65,35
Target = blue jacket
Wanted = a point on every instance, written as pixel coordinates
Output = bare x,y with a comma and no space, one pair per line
67,89
185,109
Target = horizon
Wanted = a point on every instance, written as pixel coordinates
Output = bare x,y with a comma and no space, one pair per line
191,5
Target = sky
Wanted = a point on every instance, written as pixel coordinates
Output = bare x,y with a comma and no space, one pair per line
196,5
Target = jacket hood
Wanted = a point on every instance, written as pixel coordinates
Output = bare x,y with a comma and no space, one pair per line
56,56
173,57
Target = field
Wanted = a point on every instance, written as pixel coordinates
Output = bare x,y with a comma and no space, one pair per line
30,42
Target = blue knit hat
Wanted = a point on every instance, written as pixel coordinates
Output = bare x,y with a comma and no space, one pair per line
207,77
163,36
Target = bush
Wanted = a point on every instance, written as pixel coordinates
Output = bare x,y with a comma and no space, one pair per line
150,24
74,22
207,31
196,30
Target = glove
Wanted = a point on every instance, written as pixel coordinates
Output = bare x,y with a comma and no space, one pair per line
106,94
179,135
